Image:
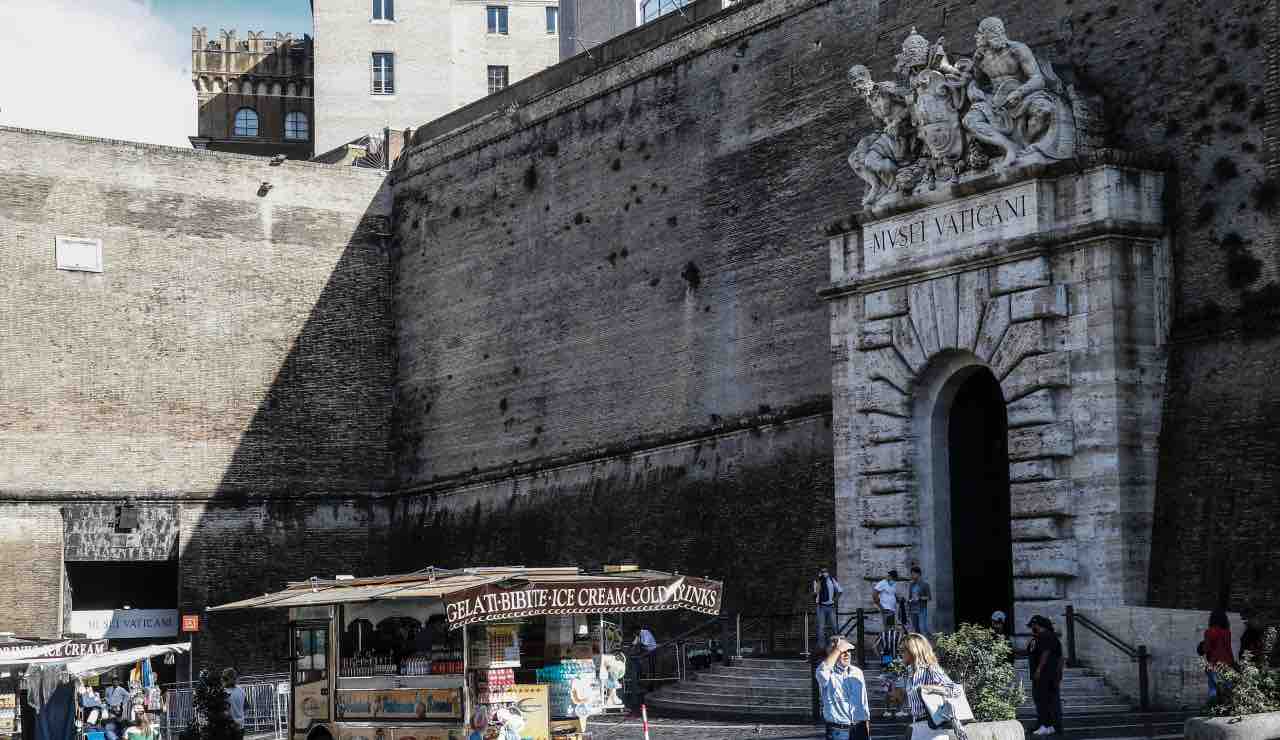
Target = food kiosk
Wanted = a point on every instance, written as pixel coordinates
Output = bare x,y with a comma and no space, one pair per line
509,653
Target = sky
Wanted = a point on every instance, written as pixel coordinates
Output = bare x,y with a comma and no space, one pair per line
118,69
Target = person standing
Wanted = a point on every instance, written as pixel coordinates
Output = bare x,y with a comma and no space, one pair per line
924,675
826,599
142,728
117,698
1045,661
918,596
885,596
1253,640
843,693
235,699
1217,649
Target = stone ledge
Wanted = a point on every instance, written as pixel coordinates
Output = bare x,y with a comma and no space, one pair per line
1032,409
1245,727
1049,440
1047,302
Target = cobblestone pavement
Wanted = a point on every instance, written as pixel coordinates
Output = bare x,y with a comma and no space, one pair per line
618,728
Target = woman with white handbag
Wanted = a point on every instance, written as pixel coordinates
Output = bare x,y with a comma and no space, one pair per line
937,703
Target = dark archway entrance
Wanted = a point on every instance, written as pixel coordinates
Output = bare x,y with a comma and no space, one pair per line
981,536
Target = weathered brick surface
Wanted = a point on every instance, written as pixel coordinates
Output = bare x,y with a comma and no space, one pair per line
31,570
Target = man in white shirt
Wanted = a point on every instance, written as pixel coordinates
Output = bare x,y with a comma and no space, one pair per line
117,698
826,599
885,596
843,694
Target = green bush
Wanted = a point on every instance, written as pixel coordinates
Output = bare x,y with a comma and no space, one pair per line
982,661
1249,687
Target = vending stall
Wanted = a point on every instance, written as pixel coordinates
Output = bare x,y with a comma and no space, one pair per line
509,653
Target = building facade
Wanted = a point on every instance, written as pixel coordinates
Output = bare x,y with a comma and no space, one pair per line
253,94
394,64
588,23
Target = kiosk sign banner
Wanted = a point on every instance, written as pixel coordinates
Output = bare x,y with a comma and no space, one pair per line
61,649
501,601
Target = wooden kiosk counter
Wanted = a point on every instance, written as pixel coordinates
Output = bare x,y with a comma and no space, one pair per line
468,654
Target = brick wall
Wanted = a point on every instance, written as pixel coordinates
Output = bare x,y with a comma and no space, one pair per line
31,570
542,253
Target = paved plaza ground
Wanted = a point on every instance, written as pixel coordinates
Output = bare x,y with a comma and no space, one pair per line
619,728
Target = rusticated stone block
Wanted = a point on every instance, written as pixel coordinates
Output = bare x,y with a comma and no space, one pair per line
883,304
885,458
882,398
881,428
1020,341
1036,408
1042,498
1051,558
898,510
1014,276
1034,373
895,536
1031,470
924,318
995,321
892,483
945,309
875,334
972,292
878,561
1048,302
1040,528
908,344
1035,589
1049,440
887,365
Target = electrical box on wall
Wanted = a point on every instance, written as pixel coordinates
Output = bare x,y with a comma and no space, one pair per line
78,254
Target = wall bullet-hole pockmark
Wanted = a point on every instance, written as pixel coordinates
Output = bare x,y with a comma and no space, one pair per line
531,178
1225,169
623,254
516,371
653,281
551,149
578,218
615,165
456,212
502,405
1266,196
692,275
613,258
672,221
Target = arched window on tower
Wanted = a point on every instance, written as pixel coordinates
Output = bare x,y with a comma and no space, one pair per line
246,122
296,126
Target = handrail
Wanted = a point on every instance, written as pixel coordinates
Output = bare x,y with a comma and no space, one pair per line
1139,655
687,633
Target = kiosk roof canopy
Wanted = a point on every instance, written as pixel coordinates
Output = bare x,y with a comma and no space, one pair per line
486,594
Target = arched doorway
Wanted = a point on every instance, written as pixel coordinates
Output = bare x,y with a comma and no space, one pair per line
978,466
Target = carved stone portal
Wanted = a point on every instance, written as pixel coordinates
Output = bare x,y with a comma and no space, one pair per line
945,122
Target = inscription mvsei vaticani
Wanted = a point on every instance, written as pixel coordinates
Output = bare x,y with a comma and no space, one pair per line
993,214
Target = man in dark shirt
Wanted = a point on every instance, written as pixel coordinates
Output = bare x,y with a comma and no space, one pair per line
1045,662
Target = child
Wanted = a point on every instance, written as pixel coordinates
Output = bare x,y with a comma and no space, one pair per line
894,688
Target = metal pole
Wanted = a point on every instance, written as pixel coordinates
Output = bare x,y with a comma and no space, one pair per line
1071,636
862,640
738,638
804,640
1143,692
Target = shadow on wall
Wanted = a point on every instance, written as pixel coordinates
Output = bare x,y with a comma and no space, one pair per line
761,529
298,497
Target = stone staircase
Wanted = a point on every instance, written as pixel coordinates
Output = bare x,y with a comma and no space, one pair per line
769,691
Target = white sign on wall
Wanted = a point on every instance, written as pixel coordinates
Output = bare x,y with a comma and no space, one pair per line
75,253
125,623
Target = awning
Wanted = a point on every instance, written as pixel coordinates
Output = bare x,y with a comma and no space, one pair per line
490,594
92,665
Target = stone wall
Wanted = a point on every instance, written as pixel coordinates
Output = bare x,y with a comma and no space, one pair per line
1175,678
723,147
228,373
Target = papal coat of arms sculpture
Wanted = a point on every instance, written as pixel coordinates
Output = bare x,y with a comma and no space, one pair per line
944,122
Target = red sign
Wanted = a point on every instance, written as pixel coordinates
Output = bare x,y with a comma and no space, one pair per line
190,622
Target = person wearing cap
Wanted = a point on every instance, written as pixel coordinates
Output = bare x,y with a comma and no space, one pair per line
1253,640
826,599
1045,661
843,692
998,620
918,595
117,698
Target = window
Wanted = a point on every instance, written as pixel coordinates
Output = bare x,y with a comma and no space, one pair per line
384,10
384,73
497,78
296,126
651,9
553,20
497,18
246,122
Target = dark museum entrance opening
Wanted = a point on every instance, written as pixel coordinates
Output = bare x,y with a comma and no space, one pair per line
981,532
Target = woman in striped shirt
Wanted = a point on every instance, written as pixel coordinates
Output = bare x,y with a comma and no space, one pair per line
924,673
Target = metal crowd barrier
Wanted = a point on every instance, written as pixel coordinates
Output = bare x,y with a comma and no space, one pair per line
266,708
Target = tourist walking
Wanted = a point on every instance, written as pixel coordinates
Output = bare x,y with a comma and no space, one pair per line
918,596
885,596
235,698
826,600
1253,640
1216,649
1045,661
843,692
925,675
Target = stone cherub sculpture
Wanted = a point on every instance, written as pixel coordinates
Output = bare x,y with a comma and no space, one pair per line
945,121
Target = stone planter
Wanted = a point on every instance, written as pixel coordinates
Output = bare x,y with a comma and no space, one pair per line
1006,730
1245,727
